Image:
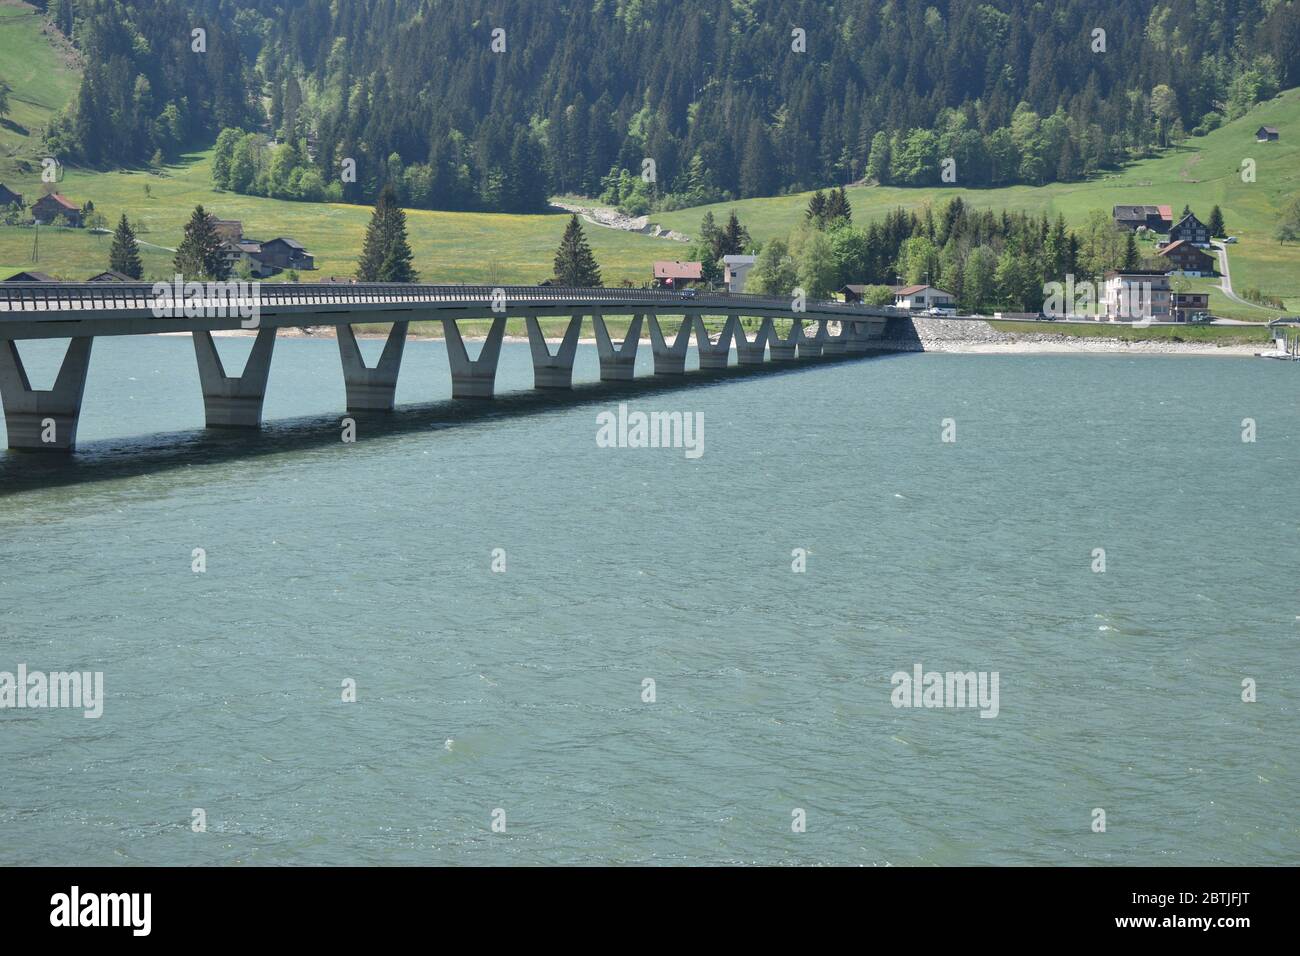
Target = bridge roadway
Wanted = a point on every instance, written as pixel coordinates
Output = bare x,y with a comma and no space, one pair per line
46,420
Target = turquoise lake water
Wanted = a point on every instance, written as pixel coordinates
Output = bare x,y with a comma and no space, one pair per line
522,691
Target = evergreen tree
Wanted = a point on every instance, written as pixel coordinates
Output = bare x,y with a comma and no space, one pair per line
816,208
199,255
385,253
124,255
1131,257
758,173
837,207
575,266
732,240
1216,226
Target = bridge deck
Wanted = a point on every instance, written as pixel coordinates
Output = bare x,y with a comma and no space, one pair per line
62,309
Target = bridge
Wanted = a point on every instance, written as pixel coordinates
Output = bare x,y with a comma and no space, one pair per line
46,420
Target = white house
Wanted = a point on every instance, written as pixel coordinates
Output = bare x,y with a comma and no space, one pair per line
1140,294
923,297
737,268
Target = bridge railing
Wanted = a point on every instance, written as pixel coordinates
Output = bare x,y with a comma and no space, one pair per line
28,297
167,299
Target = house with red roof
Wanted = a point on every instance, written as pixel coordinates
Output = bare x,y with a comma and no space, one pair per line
677,275
51,206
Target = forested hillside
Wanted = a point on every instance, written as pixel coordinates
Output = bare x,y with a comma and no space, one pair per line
574,95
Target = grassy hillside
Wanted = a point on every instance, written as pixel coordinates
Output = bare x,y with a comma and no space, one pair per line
448,246
1202,172
40,69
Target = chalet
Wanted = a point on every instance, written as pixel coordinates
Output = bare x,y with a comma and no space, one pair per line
1137,294
1267,134
736,270
51,206
923,297
31,277
1188,259
1190,229
1188,304
9,198
853,293
240,253
677,275
111,275
283,253
1155,218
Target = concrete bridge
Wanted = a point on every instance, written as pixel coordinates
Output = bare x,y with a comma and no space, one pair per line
47,420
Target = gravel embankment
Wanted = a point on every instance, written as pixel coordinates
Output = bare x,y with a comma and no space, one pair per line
966,335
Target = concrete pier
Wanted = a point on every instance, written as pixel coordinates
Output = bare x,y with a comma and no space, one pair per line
783,349
747,352
228,401
861,336
43,420
714,355
811,344
473,378
617,364
371,389
553,371
670,359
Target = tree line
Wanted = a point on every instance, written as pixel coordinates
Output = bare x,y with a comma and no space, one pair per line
986,259
462,107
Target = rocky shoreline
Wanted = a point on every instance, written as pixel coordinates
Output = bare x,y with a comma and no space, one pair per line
920,334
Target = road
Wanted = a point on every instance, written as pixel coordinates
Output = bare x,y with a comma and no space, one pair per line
1225,285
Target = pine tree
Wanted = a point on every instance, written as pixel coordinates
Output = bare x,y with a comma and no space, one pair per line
837,207
575,266
733,239
1131,258
199,255
1216,226
386,254
816,208
124,255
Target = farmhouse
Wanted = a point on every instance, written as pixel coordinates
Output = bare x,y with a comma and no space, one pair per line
1137,294
283,253
1190,229
9,198
1155,218
1266,134
736,270
51,206
922,297
111,275
677,275
246,252
1188,259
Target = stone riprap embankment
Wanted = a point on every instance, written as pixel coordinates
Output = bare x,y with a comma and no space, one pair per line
925,334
